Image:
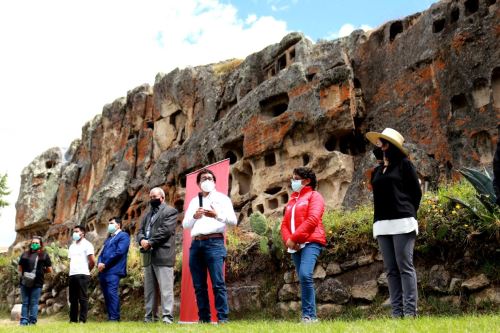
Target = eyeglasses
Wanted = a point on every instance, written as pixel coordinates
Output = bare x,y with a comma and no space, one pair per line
206,178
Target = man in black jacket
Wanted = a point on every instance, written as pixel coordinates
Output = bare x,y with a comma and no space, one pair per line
156,237
496,168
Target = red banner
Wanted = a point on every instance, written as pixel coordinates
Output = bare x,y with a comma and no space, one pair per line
189,310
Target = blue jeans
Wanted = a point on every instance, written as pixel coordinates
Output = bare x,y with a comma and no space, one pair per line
304,261
110,284
209,254
29,309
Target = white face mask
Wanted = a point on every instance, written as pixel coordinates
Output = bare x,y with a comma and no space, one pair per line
296,185
207,186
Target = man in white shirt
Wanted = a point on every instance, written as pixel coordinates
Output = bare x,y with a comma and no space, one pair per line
81,262
207,216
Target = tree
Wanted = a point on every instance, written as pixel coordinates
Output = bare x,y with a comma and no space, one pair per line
4,190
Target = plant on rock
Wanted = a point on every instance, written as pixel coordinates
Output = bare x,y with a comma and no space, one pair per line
483,207
269,232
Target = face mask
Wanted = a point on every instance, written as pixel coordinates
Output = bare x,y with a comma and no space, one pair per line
76,236
207,185
155,203
296,185
111,228
35,246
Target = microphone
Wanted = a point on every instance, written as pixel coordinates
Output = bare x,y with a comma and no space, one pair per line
200,199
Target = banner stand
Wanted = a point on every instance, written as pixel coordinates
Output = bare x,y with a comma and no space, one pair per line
188,309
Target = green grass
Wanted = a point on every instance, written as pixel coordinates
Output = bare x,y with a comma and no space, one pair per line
486,323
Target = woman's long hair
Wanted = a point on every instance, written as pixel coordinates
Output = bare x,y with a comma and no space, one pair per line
393,154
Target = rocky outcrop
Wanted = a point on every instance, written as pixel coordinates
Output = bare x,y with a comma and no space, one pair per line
434,76
35,206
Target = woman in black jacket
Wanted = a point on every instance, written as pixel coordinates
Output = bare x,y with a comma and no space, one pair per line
396,198
36,260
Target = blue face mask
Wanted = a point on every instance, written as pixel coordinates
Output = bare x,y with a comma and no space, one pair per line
297,185
111,228
76,236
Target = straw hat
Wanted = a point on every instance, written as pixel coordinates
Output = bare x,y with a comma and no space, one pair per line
390,135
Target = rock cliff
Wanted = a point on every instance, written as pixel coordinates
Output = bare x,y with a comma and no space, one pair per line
434,76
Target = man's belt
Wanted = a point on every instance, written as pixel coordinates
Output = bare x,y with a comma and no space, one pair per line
209,236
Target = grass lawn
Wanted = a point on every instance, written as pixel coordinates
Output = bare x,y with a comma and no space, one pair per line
484,323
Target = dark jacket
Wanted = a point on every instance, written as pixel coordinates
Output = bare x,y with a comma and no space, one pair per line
396,193
27,263
161,236
114,254
496,169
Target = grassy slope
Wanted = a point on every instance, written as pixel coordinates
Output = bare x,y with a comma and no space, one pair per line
488,323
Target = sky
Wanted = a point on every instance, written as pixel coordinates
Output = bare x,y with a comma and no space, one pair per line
61,61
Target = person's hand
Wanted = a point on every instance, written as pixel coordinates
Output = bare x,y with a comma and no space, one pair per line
199,213
210,213
101,267
292,245
145,244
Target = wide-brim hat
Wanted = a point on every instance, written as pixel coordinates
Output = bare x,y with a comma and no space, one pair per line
390,135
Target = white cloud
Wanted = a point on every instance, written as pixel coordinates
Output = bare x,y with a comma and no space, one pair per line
275,8
63,60
251,19
346,29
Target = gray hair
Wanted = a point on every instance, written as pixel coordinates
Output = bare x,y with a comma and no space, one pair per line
158,189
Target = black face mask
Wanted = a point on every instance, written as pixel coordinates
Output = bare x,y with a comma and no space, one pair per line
155,203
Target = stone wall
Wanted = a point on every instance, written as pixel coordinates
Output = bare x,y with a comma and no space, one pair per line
362,283
265,289
434,76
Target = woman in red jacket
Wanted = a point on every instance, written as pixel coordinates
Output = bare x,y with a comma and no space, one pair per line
303,234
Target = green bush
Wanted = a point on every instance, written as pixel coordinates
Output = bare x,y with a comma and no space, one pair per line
348,230
9,275
445,222
135,274
483,203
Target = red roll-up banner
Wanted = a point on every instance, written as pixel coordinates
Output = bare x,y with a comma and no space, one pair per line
189,310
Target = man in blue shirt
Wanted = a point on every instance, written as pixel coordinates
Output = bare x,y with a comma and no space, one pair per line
112,266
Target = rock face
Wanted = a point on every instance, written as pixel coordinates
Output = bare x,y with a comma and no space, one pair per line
38,194
434,76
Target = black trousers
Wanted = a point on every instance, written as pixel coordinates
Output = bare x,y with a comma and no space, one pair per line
78,296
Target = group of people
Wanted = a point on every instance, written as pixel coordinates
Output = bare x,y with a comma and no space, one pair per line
207,216
396,196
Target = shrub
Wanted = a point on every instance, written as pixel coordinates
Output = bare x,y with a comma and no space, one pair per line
483,204
348,230
447,224
135,274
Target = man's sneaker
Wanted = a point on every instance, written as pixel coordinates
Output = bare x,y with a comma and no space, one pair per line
307,320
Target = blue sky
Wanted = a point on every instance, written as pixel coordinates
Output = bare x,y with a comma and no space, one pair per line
322,18
60,67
